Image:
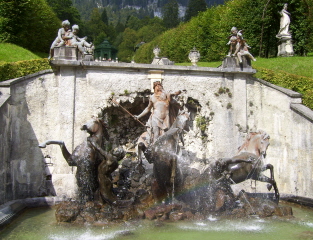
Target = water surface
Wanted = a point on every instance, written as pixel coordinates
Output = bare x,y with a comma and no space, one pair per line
40,223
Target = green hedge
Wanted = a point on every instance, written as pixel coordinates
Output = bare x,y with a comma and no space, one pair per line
10,70
300,84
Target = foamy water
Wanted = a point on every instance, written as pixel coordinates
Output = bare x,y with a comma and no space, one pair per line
227,226
87,235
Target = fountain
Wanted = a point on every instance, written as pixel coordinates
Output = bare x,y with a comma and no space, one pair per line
133,177
162,175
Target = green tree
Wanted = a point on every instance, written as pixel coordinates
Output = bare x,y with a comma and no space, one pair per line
119,27
31,24
301,25
153,29
126,48
65,10
194,7
11,17
95,25
104,17
133,23
170,14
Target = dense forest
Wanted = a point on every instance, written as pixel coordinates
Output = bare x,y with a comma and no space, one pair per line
135,27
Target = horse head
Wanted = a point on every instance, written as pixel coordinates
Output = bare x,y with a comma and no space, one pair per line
256,143
181,123
263,143
181,120
96,126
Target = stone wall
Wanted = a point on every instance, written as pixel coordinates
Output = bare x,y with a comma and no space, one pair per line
54,105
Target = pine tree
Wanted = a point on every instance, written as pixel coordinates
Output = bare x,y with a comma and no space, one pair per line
194,7
65,10
170,14
104,17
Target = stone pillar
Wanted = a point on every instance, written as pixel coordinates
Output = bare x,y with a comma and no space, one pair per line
67,80
240,100
62,175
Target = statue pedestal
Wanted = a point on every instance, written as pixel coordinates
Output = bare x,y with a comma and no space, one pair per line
162,61
285,47
66,53
70,53
88,57
233,62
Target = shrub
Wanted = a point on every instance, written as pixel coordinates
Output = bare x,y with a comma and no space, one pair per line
22,68
303,85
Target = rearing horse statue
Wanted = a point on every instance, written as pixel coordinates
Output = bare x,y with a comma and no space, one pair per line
248,163
164,154
94,165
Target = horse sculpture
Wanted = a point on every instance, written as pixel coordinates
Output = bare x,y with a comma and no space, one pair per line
248,164
91,166
164,154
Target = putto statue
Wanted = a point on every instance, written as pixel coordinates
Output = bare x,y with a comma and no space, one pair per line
238,46
59,41
284,22
232,41
71,39
242,49
67,37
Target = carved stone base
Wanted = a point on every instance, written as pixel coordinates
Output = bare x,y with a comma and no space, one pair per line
162,61
66,53
71,53
233,62
285,47
88,57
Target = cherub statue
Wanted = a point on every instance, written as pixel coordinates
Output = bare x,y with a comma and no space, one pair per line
232,41
59,41
242,49
72,39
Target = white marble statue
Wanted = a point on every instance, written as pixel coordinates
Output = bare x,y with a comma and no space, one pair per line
242,49
284,21
71,39
59,41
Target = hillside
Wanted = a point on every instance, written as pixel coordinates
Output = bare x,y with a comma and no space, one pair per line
13,53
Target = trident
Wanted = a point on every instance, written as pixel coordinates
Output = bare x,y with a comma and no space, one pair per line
115,102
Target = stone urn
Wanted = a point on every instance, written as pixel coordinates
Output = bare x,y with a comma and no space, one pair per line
194,56
156,51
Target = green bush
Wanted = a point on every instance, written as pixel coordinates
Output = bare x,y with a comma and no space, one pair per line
300,84
22,68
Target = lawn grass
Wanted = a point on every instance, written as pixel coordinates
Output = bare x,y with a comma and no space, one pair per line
302,66
13,53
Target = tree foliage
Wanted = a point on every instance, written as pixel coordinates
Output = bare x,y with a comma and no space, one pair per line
126,48
65,10
96,26
209,31
170,14
129,41
104,17
31,24
194,7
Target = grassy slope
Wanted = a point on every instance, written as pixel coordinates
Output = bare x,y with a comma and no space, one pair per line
302,66
13,53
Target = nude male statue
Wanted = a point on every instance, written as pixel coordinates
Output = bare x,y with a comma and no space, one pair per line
159,103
